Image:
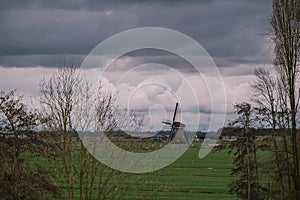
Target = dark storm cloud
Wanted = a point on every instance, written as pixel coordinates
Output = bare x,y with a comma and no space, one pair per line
87,4
54,60
144,56
48,32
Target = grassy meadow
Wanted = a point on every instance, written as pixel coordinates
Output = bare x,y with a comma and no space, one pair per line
190,178
187,178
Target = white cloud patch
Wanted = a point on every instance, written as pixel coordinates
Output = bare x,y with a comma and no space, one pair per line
154,95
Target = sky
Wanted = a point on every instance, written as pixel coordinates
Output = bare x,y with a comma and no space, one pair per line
39,36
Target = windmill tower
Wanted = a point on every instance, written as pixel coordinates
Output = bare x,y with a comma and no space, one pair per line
175,126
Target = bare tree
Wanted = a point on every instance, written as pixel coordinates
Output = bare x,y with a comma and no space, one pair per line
286,37
99,112
269,97
58,99
70,104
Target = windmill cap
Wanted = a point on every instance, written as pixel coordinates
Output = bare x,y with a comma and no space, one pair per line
178,124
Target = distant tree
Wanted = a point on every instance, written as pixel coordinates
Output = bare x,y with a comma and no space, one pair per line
20,176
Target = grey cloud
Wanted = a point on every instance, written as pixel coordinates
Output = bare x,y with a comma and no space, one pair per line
145,56
87,4
44,60
227,29
203,109
30,32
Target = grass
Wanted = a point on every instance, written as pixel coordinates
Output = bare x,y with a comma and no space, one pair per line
187,178
193,178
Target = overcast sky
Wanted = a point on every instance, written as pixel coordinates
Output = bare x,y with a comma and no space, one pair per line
38,36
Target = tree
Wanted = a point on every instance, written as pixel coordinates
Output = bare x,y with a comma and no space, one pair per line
285,23
270,98
69,104
247,186
20,176
59,96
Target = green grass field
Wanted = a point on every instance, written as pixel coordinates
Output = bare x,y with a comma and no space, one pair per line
193,178
189,178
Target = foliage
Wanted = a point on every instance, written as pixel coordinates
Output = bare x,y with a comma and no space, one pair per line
18,180
247,186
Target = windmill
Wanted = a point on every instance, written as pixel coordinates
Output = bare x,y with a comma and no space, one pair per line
175,126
